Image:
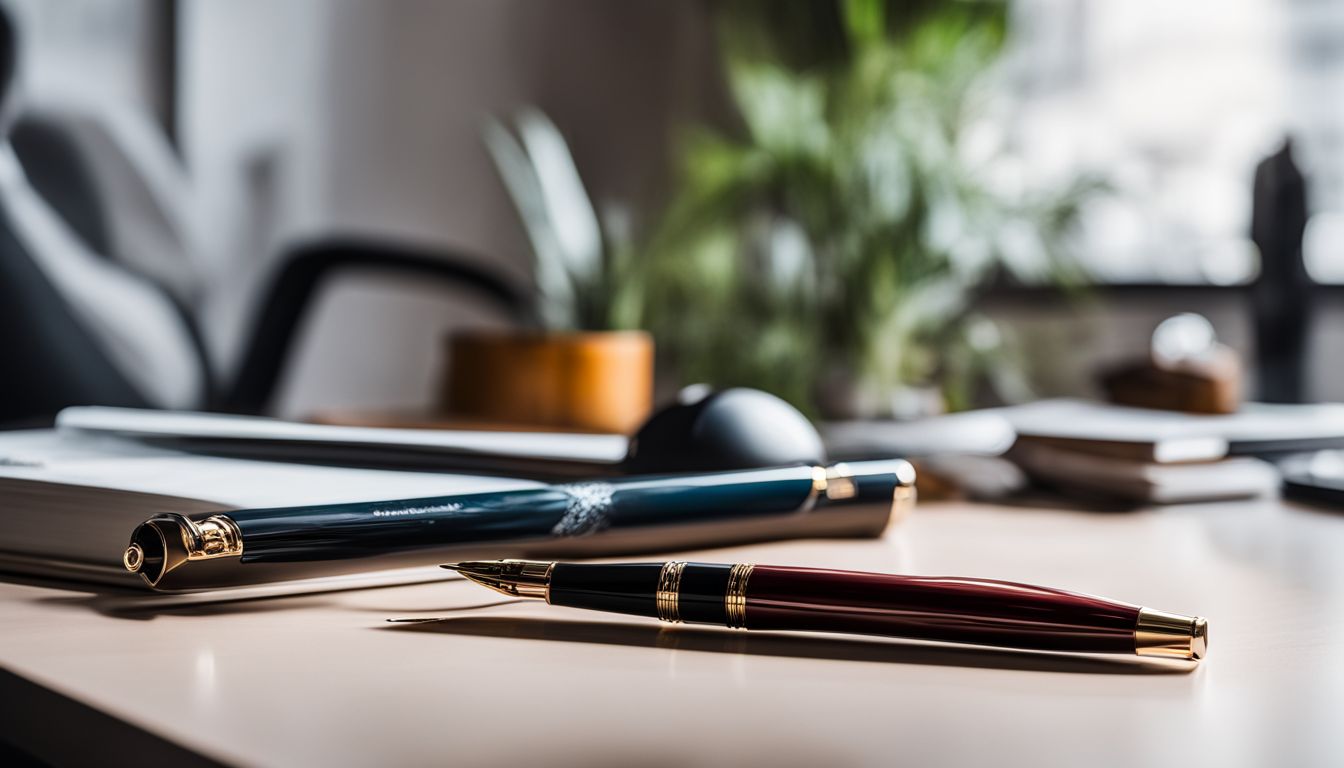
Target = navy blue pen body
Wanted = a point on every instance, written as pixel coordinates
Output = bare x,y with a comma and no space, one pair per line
338,531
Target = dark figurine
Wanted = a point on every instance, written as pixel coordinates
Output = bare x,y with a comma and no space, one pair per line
1282,297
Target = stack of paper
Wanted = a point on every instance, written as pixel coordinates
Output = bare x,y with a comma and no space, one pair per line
1158,472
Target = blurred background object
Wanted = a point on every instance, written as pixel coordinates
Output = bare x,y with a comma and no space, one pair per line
850,224
1282,296
868,208
590,382
1186,370
589,369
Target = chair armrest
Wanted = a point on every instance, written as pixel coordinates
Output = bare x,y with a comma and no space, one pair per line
304,272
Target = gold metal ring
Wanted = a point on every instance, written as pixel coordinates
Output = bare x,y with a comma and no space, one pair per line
215,536
133,558
735,599
669,586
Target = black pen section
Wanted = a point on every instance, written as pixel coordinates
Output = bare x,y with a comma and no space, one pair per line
632,589
703,586
626,588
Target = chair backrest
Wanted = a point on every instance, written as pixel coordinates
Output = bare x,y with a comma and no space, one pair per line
61,175
79,328
111,173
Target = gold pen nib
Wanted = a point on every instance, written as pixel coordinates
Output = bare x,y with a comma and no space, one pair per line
516,578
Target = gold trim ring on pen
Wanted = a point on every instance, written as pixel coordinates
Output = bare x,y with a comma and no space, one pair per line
669,587
735,598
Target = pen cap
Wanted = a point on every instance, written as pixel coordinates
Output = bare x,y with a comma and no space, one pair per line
621,517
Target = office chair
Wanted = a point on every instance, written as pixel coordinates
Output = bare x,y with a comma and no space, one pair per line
97,280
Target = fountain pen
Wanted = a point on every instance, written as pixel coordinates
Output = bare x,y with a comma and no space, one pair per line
945,609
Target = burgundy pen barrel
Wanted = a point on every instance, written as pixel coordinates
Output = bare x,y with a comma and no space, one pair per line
944,609
958,610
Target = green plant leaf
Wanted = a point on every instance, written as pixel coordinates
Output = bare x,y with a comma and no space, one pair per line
568,208
520,179
865,21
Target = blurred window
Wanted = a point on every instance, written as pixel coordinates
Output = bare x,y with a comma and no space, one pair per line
1174,104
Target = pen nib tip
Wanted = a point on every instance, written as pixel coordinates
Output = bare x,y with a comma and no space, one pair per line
451,566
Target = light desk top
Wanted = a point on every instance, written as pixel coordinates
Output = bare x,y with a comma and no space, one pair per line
323,680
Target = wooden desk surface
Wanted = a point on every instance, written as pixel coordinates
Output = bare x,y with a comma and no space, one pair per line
322,679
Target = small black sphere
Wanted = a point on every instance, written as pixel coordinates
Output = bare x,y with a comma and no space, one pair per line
732,429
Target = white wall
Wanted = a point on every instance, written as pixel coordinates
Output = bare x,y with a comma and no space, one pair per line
90,51
308,117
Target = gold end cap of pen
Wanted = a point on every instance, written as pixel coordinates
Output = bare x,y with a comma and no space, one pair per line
1171,635
164,543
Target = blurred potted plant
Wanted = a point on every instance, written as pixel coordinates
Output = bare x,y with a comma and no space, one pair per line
830,249
587,369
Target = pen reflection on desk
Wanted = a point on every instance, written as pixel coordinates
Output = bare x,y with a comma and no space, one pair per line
944,609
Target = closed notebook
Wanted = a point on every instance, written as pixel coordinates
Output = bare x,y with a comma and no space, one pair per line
1145,481
534,454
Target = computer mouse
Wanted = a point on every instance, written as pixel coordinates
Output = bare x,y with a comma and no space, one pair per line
730,429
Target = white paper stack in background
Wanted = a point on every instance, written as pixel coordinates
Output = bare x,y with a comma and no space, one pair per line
1160,457
1156,482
